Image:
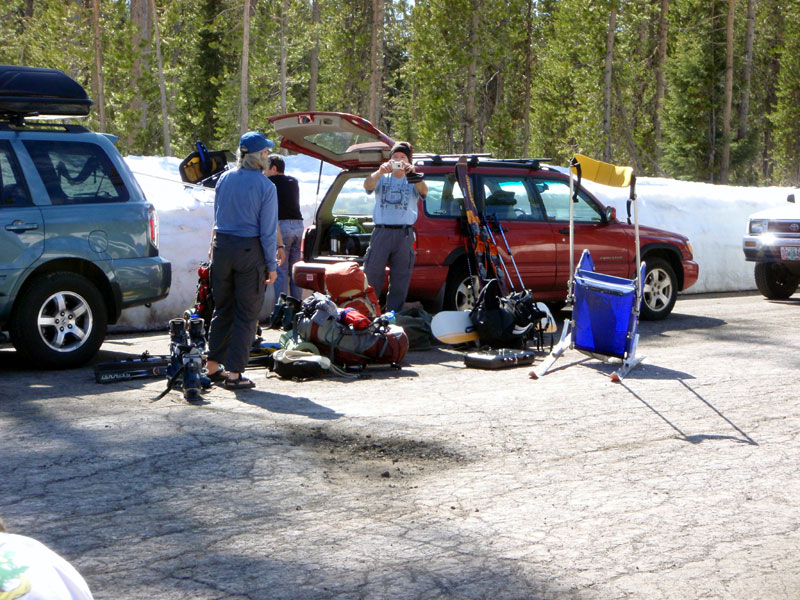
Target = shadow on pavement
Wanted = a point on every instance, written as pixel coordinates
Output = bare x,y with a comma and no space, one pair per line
678,322
289,405
698,438
643,370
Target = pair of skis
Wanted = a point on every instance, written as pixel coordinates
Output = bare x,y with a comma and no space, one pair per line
480,239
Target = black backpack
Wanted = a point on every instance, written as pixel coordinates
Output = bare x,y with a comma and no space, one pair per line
299,365
504,321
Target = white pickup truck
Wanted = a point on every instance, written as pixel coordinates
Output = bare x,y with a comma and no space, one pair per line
772,241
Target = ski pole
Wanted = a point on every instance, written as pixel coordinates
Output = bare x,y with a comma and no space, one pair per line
496,255
510,255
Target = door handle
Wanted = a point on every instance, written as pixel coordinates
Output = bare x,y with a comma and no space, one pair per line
564,230
20,226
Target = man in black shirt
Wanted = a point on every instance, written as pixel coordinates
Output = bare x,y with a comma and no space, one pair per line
290,224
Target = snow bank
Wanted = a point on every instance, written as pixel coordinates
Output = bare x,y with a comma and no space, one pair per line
713,217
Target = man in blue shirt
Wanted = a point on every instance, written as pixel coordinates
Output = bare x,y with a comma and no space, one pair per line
243,250
397,189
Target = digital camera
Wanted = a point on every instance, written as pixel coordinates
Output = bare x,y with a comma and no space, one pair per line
398,164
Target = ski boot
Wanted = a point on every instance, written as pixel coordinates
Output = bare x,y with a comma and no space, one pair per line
193,378
178,341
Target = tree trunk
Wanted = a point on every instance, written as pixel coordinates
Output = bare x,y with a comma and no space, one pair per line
97,79
612,25
526,135
142,28
376,62
162,88
747,70
663,26
472,69
314,59
626,129
284,22
244,97
28,12
726,112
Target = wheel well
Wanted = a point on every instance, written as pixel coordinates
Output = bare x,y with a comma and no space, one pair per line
82,267
671,257
456,255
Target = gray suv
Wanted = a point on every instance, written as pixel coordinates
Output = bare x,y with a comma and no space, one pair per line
78,240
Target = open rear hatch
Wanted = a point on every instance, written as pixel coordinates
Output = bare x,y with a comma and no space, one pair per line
344,140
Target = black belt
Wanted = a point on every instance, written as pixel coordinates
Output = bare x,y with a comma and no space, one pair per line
394,226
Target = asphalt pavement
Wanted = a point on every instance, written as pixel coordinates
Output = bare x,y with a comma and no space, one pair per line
433,481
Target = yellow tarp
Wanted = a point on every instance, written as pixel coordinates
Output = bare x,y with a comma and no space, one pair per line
603,172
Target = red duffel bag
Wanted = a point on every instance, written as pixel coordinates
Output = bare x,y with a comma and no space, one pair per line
347,286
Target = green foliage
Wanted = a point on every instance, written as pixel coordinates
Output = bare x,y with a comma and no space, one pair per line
538,80
57,36
786,116
567,97
693,106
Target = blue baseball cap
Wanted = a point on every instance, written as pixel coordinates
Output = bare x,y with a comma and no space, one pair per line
254,141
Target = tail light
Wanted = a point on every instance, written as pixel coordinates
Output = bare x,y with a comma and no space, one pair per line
303,242
153,225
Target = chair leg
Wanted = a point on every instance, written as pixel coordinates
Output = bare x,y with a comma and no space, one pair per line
564,343
631,361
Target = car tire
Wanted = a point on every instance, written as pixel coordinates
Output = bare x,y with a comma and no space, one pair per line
660,290
60,321
774,281
457,294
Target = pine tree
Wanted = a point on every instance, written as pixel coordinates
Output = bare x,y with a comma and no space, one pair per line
785,118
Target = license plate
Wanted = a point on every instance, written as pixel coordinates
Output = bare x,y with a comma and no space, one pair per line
790,252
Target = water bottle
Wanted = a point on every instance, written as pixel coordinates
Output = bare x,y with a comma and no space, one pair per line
390,316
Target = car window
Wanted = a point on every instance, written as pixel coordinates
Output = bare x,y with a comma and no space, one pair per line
353,199
76,172
509,198
555,197
444,197
339,142
12,189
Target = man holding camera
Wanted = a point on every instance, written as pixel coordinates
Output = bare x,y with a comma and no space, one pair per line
398,188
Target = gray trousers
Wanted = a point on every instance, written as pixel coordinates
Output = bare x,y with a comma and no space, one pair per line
393,247
237,281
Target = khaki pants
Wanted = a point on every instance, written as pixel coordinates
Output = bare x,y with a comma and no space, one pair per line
395,248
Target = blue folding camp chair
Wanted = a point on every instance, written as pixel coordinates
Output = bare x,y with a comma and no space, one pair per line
605,308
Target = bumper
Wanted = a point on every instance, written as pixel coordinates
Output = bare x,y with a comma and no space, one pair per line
768,248
427,282
691,272
143,280
309,276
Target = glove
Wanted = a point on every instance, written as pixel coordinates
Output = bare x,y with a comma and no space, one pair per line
414,177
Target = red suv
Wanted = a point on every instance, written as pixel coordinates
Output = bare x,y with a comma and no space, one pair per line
527,201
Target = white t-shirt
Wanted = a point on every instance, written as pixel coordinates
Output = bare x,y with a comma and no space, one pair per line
29,570
395,201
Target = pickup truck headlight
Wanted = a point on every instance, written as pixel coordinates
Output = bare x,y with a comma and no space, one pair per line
758,226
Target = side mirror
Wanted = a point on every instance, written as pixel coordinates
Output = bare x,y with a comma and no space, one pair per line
790,198
611,214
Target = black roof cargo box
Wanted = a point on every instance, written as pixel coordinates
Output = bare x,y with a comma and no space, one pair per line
31,91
